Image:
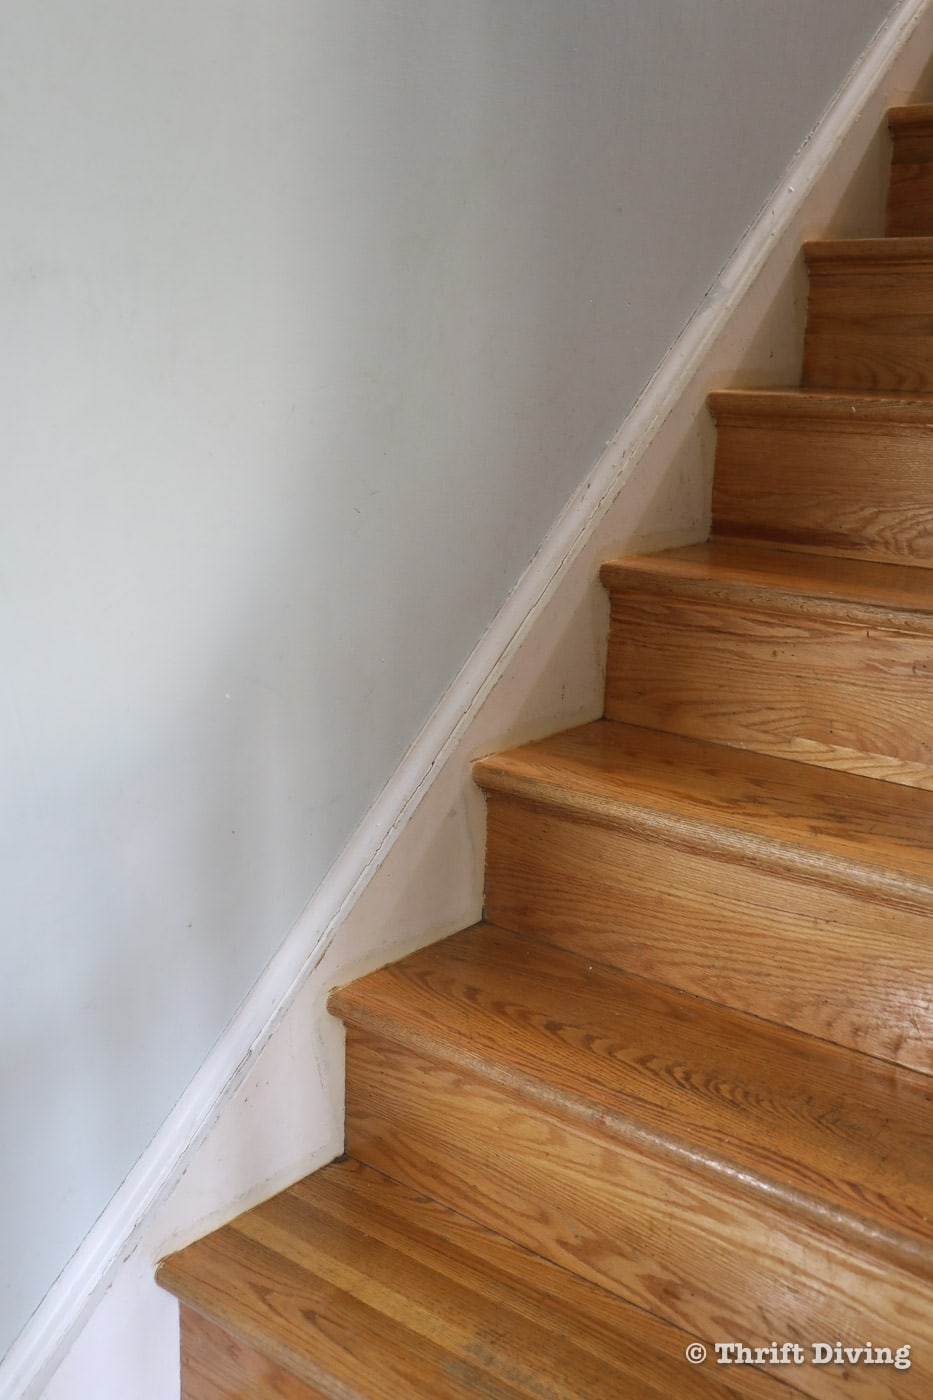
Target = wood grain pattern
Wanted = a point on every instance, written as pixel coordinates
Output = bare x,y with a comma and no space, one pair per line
649,1230
803,897
806,659
843,474
845,590
870,315
910,190
793,1117
217,1366
398,1296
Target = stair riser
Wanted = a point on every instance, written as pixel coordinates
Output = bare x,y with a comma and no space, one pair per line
838,694
692,1250
217,1366
910,190
910,200
859,490
870,328
790,947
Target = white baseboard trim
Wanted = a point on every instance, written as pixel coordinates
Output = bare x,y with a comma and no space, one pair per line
890,66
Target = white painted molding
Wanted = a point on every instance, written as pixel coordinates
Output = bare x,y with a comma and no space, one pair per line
905,39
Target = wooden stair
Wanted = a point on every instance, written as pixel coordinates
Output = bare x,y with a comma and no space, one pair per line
677,1090
353,1285
826,660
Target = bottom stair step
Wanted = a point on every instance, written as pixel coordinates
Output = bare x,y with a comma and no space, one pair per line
738,1179
352,1287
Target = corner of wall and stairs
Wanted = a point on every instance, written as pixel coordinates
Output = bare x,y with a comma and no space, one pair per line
266,1108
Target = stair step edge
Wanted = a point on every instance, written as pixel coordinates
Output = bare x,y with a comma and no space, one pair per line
855,591
443,1286
824,255
785,408
708,834
592,1113
913,120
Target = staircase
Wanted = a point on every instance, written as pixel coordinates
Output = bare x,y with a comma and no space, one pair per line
675,1090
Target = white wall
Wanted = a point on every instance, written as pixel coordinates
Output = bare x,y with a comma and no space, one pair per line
315,312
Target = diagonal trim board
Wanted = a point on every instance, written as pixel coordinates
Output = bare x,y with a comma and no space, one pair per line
499,697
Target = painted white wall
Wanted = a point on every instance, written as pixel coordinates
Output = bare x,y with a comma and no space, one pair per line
315,313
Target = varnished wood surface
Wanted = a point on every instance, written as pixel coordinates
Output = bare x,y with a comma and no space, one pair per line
647,1228
795,1118
870,315
217,1366
784,947
847,590
823,660
912,118
853,255
844,409
910,191
799,895
359,1287
850,831
847,474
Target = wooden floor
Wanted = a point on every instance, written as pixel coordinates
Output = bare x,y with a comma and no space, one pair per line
662,1124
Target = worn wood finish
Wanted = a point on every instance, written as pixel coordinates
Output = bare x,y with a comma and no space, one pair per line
749,938
842,474
651,1229
821,660
216,1365
910,190
798,1120
844,590
870,315
356,1284
803,896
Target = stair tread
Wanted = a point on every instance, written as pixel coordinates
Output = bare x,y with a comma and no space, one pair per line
868,252
874,405
789,579
833,1134
829,471
360,1287
845,825
917,116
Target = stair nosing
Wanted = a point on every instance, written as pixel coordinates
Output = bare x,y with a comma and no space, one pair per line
786,408
706,834
910,1252
703,580
224,1313
914,118
539,1291
823,255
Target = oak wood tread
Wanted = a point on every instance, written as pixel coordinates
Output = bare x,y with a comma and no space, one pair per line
854,255
840,826
910,190
851,590
832,1136
821,660
350,1286
840,473
915,119
802,896
870,314
844,410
